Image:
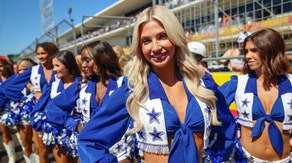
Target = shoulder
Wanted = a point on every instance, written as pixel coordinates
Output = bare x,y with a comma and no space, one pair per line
36,67
209,81
289,76
232,82
234,79
122,80
78,79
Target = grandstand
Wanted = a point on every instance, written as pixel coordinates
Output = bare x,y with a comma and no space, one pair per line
214,22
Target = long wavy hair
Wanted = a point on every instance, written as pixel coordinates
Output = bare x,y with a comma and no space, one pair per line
137,70
271,48
106,61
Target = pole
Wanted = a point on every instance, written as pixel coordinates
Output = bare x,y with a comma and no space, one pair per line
216,28
74,31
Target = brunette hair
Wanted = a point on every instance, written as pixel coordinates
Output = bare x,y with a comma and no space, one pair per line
68,59
7,64
271,48
49,47
105,59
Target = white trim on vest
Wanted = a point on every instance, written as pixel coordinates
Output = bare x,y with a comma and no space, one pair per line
35,78
240,97
287,104
54,89
242,109
146,142
83,103
160,145
119,83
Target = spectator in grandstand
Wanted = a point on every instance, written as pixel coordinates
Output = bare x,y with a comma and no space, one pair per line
122,56
6,72
248,17
103,75
236,18
219,20
41,76
198,49
236,64
226,20
52,113
263,99
161,71
188,32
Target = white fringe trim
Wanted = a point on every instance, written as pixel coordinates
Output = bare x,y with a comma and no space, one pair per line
157,149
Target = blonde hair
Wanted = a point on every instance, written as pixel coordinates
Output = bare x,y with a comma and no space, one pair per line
78,61
122,56
138,68
26,62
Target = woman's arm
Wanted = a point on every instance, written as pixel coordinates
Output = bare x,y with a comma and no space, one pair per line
14,86
222,138
228,89
37,117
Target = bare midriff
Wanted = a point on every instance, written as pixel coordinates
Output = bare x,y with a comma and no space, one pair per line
261,147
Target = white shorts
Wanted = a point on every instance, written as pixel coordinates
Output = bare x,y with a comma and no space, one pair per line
253,159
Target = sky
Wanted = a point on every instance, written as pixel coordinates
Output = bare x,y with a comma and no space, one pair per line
20,20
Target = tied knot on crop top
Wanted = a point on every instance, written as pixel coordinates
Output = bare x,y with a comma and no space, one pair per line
250,108
153,138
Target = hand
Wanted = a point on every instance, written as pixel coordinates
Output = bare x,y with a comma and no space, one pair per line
37,120
80,126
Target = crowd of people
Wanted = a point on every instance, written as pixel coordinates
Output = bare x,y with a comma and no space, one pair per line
159,104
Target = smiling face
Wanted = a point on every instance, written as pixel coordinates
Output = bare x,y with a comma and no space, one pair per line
157,48
42,55
88,64
60,69
253,57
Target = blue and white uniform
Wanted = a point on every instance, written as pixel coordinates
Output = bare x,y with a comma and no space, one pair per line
14,88
160,122
52,113
88,106
7,117
35,75
20,114
243,90
87,103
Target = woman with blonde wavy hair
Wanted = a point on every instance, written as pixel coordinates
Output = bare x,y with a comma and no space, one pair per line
171,100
